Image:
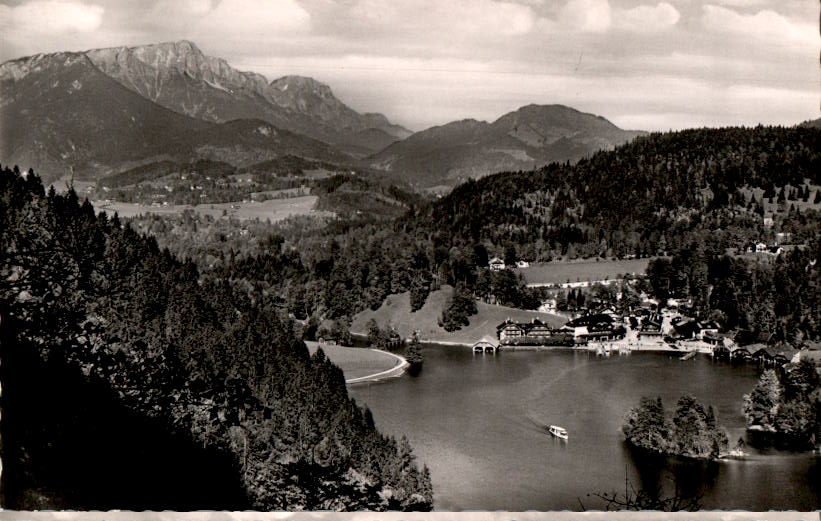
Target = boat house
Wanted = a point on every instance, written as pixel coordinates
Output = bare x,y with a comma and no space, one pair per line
486,345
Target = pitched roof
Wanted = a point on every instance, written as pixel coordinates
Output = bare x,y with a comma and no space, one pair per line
488,340
589,320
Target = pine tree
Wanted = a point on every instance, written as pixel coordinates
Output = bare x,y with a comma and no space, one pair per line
413,350
420,289
761,405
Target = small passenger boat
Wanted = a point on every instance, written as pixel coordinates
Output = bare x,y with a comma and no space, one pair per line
736,454
558,432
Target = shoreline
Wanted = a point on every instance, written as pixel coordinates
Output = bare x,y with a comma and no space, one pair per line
592,347
399,370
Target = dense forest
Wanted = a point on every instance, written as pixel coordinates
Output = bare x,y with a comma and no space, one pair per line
191,326
700,196
692,431
789,407
769,302
101,326
642,198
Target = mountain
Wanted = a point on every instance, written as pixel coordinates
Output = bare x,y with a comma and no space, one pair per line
178,76
59,111
107,110
529,137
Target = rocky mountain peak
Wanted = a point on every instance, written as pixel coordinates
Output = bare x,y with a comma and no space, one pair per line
300,86
22,67
180,55
180,77
133,65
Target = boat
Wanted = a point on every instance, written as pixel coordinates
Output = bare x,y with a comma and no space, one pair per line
736,454
557,431
688,356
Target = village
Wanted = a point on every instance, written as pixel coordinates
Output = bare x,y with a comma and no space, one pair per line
646,330
652,326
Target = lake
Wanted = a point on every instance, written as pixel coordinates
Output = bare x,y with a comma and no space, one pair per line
479,422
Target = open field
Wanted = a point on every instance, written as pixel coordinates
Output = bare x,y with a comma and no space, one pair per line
357,362
81,187
561,272
283,193
272,209
396,312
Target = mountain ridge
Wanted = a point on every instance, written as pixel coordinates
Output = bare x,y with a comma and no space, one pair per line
61,113
531,136
179,76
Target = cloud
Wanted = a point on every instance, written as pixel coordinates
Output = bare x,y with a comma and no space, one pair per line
50,17
742,3
586,15
647,18
453,19
766,25
652,64
252,19
179,10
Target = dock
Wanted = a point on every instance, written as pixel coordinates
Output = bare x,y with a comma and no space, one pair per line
688,356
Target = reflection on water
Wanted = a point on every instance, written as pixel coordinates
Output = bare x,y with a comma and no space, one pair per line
480,423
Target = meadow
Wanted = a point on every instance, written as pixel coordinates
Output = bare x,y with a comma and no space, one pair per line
395,311
273,209
357,362
544,273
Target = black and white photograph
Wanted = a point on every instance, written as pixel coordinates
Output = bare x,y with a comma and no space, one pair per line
387,259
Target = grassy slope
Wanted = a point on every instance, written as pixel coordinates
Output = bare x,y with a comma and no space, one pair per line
561,272
273,209
356,362
396,311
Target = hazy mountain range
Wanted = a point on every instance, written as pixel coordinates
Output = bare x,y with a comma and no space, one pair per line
105,110
533,135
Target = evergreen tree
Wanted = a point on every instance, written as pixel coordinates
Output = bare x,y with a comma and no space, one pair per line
413,353
195,362
458,308
761,405
420,289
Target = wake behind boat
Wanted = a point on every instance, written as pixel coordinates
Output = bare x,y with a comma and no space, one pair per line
557,431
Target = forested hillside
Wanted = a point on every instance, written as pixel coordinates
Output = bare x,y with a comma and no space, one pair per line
700,196
642,198
135,380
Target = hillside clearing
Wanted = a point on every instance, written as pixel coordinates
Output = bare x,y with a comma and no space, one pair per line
272,209
562,272
357,362
395,311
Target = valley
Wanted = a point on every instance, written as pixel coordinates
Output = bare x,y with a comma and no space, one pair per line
288,292
270,210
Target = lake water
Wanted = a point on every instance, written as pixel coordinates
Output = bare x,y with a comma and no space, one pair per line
478,422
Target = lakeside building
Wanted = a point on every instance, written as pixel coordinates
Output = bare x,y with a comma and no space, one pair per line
685,328
651,326
535,332
598,327
486,345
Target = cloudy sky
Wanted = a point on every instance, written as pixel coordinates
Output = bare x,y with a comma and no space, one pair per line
643,64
